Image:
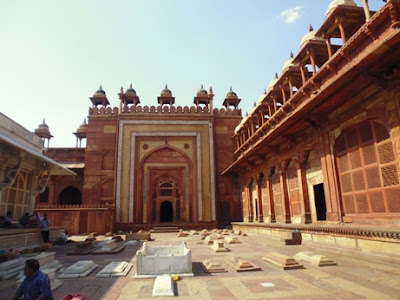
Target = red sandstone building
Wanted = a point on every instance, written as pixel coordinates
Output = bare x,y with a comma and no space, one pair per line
322,144
319,151
144,166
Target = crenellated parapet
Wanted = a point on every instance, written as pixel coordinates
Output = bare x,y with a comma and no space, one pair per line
138,109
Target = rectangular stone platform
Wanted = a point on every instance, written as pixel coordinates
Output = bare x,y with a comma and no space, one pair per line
115,269
315,259
219,246
282,261
212,266
83,248
163,286
79,269
241,265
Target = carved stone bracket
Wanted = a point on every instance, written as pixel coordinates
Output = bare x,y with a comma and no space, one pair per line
41,178
271,171
9,174
301,156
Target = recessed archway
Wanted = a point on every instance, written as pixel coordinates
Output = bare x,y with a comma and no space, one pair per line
166,211
70,195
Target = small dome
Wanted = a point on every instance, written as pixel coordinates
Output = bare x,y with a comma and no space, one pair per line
310,36
100,91
166,92
130,90
289,62
83,125
43,125
273,82
201,91
231,94
336,3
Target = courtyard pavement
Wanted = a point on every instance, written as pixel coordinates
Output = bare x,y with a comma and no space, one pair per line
354,277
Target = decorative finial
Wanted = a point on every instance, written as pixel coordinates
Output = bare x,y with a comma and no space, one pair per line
44,121
247,114
265,91
101,87
276,75
231,88
130,86
311,28
84,121
291,54
166,86
254,104
202,86
121,90
211,90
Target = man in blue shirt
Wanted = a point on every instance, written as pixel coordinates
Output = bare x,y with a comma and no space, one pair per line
36,285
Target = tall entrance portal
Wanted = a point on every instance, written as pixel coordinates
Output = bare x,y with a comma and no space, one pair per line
166,212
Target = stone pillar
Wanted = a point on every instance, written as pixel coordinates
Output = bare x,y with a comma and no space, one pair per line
260,216
301,159
341,28
272,216
328,44
285,193
331,187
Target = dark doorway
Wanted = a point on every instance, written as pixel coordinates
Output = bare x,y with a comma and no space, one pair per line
166,212
70,195
320,204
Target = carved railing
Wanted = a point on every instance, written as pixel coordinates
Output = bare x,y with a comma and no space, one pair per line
347,56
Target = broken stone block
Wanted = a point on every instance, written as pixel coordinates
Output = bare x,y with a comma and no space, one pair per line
220,237
209,240
131,243
241,265
163,286
115,269
181,233
82,248
200,242
138,236
109,247
293,238
219,246
212,266
204,231
194,232
232,240
79,269
238,232
117,238
282,261
92,234
315,259
109,234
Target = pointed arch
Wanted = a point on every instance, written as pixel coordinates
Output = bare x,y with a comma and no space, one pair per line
107,162
69,196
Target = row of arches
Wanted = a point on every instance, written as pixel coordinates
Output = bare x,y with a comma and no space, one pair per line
366,174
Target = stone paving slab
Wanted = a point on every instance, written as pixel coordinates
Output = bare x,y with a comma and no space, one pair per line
354,277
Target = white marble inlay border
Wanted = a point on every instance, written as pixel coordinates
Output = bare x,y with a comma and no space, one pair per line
149,122
212,183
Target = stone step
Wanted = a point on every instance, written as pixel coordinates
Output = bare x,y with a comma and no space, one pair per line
163,229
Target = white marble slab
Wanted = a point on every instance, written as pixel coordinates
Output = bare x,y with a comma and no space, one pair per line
79,269
115,269
163,286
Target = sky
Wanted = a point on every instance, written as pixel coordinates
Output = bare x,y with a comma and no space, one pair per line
54,54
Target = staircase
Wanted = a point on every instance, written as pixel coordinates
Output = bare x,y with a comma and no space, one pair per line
163,229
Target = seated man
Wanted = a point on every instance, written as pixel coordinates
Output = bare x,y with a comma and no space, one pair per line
7,220
24,220
36,284
62,238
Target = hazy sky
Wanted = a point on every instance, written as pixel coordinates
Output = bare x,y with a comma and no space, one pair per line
54,54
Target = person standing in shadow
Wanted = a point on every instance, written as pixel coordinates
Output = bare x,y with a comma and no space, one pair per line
44,226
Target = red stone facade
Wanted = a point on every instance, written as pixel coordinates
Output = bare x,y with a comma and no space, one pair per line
167,177
322,144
